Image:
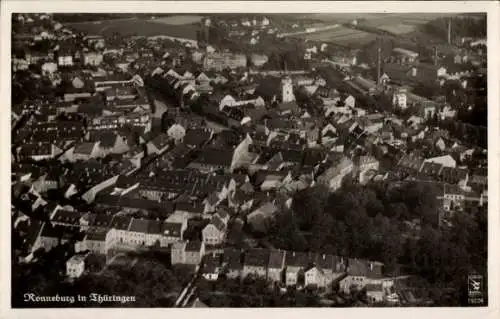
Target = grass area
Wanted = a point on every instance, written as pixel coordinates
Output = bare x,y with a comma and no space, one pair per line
179,20
341,36
139,27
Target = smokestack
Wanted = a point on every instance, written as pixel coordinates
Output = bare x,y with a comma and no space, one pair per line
379,63
435,56
449,31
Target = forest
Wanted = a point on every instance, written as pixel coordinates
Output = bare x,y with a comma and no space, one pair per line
398,226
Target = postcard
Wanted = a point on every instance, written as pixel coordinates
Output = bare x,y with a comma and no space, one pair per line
326,156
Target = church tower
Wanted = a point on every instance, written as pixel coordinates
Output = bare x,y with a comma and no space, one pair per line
287,90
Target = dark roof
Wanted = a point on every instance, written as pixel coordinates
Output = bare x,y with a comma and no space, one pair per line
298,259
359,267
431,169
257,257
196,137
96,235
215,156
121,222
36,149
193,246
232,257
107,138
160,141
276,259
84,148
453,175
218,223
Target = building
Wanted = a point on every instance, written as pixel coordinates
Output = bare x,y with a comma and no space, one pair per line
287,95
375,293
314,277
194,251
399,99
215,232
333,176
178,253
296,263
361,273
255,263
232,263
221,61
276,266
75,266
92,58
404,56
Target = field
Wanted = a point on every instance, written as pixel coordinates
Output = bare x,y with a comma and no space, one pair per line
178,26
178,20
341,36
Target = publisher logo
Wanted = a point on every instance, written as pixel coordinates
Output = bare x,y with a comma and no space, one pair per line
475,289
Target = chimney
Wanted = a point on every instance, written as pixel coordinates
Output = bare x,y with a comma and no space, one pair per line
449,31
435,56
379,59
371,266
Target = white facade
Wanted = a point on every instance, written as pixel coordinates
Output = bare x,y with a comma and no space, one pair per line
75,266
287,90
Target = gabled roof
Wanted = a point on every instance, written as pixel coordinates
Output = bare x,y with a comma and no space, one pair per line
257,257
194,246
218,223
276,259
121,222
84,148
299,259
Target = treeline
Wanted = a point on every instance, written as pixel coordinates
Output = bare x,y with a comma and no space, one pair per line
461,26
84,17
373,222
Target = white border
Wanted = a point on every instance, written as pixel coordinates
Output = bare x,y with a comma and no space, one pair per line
491,7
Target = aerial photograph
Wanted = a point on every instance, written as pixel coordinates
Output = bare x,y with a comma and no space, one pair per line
249,160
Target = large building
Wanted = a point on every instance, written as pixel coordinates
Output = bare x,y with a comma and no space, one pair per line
221,61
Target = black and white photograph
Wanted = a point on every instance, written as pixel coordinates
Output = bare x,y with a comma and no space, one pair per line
248,160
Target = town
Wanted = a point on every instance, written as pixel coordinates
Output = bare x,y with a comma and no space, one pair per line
266,161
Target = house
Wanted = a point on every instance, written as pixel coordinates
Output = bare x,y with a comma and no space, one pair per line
75,266
176,132
173,228
178,253
49,68
85,151
212,267
211,159
158,145
359,274
232,263
214,232
38,151
315,277
95,241
255,263
445,160
110,142
144,232
296,263
92,58
375,293
333,176
194,252
404,56
117,235
276,265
